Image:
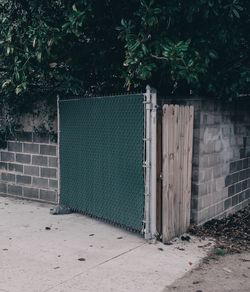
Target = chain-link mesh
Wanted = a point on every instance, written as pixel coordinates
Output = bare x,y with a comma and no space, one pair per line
101,158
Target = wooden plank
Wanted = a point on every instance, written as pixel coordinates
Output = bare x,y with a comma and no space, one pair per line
171,172
165,172
159,178
181,169
184,210
190,156
176,155
177,138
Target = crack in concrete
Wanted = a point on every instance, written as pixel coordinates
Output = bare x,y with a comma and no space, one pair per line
96,266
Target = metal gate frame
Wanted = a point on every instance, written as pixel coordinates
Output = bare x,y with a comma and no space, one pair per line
149,163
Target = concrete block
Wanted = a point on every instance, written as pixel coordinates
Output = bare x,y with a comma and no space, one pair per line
48,150
30,193
196,161
53,183
24,136
31,170
205,201
23,179
235,177
40,160
40,182
204,161
15,167
233,167
50,196
3,165
219,208
239,165
53,139
211,212
231,190
210,187
48,172
235,200
241,196
218,147
238,187
15,146
244,185
243,153
217,172
21,136
203,189
228,180
220,183
196,147
31,148
227,203
7,156
15,190
247,194
53,162
3,188
245,163
23,158
40,138
9,177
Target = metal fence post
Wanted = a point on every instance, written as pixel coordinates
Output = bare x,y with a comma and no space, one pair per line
153,163
150,163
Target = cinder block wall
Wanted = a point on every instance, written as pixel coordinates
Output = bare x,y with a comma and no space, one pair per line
221,159
29,167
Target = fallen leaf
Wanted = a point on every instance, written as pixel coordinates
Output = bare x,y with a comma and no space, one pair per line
168,243
244,260
180,248
185,237
227,270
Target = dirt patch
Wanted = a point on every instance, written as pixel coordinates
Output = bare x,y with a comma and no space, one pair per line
230,273
232,234
227,268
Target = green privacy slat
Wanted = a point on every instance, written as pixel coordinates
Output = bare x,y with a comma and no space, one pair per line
101,158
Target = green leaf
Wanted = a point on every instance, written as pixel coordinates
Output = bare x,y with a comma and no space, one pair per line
6,83
236,13
39,56
18,90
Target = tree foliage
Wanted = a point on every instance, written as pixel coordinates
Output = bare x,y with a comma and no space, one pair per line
200,46
92,46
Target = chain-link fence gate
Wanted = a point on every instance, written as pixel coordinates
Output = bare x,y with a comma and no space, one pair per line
106,147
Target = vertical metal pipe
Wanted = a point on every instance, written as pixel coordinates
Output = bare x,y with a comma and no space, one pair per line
147,162
58,147
153,182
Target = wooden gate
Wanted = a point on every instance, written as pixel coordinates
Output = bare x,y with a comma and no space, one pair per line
177,144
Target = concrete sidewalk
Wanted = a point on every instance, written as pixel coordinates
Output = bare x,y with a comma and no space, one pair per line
33,258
